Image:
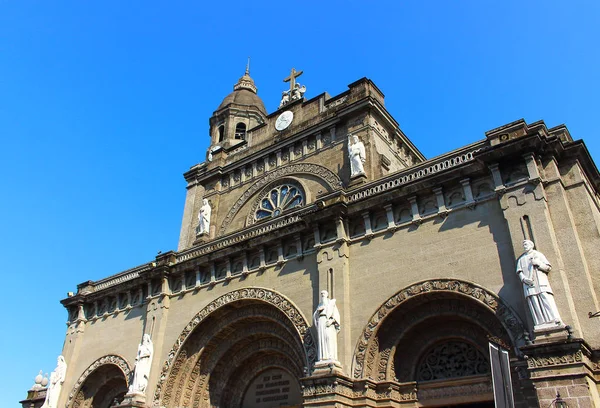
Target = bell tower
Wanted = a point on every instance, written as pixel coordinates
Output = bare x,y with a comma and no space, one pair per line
239,112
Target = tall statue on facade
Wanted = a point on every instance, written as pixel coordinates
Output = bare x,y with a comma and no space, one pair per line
357,156
204,218
327,322
533,268
143,361
57,378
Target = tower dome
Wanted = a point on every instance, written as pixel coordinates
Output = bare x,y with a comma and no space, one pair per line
244,93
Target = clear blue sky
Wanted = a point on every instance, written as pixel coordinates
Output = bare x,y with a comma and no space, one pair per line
103,106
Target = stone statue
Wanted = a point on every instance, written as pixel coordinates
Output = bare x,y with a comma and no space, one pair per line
327,322
285,99
533,268
204,218
57,378
298,91
141,371
357,156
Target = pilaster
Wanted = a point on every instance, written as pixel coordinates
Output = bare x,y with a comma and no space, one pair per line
333,271
157,313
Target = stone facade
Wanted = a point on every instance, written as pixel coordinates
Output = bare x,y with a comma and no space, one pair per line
419,254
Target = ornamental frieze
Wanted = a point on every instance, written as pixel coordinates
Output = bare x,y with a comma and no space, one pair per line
547,361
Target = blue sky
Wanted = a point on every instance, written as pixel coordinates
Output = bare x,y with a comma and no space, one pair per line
103,106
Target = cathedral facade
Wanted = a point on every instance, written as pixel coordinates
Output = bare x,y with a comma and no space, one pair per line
323,261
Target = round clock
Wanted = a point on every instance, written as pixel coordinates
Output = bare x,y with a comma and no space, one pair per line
284,120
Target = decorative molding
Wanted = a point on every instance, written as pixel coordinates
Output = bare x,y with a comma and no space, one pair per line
414,173
547,361
265,295
314,169
105,360
510,321
462,390
359,391
256,230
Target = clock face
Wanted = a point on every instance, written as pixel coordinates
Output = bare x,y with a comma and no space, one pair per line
284,120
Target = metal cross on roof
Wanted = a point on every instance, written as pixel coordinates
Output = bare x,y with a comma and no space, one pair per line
292,78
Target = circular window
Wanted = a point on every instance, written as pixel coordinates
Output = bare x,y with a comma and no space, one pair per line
278,200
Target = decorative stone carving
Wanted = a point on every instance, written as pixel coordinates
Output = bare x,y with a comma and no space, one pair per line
57,378
533,268
325,174
450,360
536,362
110,359
212,150
265,295
510,321
357,156
143,362
327,321
204,218
410,175
285,99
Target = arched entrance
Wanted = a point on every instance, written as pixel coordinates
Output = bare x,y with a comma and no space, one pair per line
102,382
248,345
436,335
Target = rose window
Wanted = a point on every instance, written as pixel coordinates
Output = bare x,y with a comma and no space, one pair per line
278,200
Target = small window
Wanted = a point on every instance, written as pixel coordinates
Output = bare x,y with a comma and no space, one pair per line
221,133
240,131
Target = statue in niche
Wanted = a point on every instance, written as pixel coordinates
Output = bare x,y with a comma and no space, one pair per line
533,268
357,156
327,321
204,218
141,371
57,378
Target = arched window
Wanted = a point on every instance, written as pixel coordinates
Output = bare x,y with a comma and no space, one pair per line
279,199
240,131
221,133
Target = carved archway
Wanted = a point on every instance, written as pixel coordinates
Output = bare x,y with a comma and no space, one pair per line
331,180
375,360
104,380
238,333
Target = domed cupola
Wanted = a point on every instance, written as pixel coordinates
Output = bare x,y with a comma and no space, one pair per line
239,112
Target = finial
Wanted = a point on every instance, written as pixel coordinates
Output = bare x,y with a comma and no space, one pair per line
245,82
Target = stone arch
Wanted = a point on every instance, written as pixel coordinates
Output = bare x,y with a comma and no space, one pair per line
105,379
374,360
330,179
245,327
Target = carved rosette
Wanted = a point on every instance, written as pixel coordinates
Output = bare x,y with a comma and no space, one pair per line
367,349
332,180
110,359
265,295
